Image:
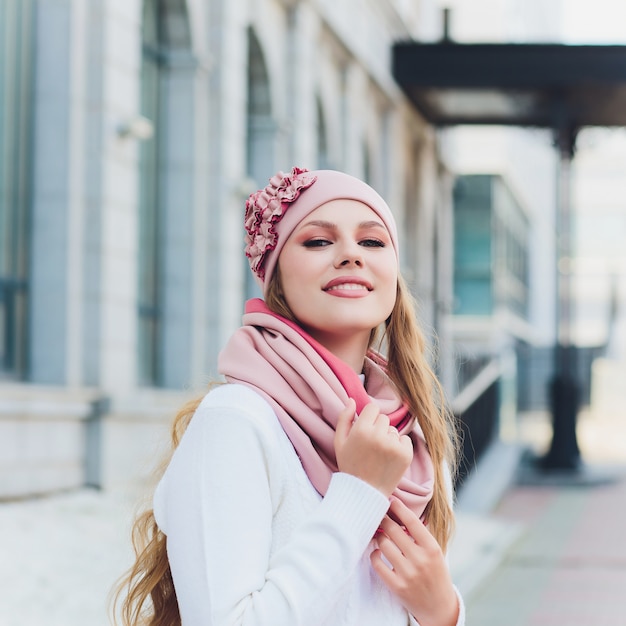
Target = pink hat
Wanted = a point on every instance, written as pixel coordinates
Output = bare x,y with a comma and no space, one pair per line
274,212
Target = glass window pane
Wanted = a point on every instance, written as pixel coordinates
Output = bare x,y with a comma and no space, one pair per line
149,275
16,42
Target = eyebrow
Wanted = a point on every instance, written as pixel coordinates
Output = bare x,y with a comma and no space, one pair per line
333,226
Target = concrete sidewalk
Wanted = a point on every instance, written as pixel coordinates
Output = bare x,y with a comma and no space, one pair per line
59,557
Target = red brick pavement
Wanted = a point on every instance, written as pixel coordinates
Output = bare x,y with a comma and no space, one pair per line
569,567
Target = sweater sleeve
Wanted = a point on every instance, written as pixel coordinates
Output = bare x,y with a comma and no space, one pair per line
215,504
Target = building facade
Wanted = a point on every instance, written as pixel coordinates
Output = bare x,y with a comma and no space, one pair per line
130,134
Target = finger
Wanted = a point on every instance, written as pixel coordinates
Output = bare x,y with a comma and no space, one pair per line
398,534
344,421
383,569
390,549
382,422
407,442
369,415
410,521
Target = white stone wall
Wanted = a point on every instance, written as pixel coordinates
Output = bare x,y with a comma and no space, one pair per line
43,433
84,328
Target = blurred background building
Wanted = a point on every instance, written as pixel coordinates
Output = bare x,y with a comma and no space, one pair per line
504,318
130,135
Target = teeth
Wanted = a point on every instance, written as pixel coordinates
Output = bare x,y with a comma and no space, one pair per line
349,286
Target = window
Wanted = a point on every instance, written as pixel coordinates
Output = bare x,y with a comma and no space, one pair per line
149,309
16,64
165,204
260,130
323,162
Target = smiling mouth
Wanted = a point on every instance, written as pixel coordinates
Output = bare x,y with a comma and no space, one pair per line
347,287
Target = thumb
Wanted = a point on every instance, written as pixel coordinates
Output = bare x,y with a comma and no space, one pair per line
344,422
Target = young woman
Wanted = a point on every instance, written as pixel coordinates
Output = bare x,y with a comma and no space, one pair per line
313,488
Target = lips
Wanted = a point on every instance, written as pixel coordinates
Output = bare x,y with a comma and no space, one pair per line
348,283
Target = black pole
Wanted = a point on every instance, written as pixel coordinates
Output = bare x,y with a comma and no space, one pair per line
565,392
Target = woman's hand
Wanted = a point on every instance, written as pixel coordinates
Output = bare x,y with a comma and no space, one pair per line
416,570
370,449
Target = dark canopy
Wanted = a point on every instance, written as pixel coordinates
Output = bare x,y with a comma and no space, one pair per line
542,85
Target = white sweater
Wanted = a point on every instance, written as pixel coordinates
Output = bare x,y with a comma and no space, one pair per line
249,540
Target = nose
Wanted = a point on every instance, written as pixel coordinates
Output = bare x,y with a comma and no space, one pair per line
349,255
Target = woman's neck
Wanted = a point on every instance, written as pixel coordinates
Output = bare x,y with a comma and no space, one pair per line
350,350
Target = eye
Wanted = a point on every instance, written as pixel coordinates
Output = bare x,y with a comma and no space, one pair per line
316,243
372,243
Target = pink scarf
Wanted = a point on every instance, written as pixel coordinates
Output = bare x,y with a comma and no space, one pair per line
308,387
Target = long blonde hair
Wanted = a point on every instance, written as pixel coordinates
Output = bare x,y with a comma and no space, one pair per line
145,595
410,371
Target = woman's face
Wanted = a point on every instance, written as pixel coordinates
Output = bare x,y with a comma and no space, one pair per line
339,272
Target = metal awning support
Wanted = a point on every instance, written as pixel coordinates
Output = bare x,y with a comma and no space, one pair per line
553,86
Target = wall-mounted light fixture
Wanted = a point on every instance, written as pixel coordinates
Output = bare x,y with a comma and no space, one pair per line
137,127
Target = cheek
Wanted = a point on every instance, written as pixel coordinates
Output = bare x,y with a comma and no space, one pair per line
391,291
293,283
389,271
392,296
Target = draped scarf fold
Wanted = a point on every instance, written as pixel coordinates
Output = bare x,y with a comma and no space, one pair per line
307,386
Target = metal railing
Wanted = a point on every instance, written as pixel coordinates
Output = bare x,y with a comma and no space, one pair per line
476,408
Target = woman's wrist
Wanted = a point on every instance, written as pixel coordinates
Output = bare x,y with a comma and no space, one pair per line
448,615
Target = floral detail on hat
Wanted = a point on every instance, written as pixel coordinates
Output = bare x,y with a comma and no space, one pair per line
264,210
